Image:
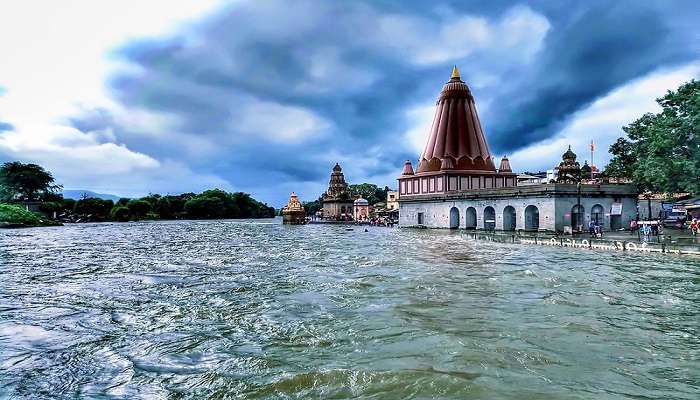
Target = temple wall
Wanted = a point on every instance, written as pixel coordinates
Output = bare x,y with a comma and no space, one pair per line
554,212
436,214
335,209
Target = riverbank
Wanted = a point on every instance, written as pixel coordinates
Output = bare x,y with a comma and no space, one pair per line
16,217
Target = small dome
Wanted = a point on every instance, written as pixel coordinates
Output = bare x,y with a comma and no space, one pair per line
586,167
361,202
505,165
407,168
569,155
337,168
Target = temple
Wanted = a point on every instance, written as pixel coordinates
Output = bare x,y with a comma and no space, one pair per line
456,183
293,213
456,156
337,202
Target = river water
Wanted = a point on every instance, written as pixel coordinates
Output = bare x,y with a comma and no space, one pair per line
255,309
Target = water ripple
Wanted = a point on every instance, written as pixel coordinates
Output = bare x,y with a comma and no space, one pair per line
254,309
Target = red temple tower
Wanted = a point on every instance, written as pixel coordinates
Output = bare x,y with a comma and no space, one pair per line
456,156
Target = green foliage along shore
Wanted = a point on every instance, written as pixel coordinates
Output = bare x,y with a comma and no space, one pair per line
21,183
11,215
211,204
661,152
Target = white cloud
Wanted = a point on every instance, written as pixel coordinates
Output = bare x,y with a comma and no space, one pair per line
54,59
603,120
520,31
268,120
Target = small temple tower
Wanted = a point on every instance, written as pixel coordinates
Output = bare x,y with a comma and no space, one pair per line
293,213
361,210
337,203
569,170
456,157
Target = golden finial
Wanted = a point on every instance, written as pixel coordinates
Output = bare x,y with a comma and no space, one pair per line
455,72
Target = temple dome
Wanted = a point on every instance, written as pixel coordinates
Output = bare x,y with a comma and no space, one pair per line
456,140
569,155
505,165
361,202
407,168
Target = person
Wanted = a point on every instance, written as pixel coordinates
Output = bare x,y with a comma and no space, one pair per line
591,228
633,226
645,229
694,227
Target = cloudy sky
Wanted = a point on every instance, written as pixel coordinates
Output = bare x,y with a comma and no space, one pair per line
130,97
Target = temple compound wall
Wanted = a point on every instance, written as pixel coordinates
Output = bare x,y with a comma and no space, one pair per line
547,207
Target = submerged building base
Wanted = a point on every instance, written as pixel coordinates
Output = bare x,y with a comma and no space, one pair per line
550,207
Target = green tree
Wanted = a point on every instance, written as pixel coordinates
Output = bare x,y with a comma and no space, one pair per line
163,208
98,208
68,205
120,213
370,192
662,151
138,208
312,207
25,182
50,207
205,208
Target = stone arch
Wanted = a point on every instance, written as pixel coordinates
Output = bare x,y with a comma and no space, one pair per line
509,218
597,214
470,217
532,218
577,213
489,218
454,218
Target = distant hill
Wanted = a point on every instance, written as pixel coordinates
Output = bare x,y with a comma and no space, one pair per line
77,194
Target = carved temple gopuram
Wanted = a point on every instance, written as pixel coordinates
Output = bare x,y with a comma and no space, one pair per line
456,183
337,202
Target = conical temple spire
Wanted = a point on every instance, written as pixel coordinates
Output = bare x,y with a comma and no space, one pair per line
455,73
456,140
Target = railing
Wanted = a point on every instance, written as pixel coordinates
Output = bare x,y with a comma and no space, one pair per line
661,246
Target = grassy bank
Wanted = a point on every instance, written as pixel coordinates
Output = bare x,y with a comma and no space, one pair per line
16,217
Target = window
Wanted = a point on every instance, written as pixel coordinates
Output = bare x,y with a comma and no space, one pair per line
420,218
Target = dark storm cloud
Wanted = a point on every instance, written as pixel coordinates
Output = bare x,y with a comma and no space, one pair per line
265,92
586,57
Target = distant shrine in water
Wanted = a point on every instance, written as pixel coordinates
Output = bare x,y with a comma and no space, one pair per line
337,202
293,213
457,185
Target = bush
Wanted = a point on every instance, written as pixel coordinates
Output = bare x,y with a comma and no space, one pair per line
68,205
139,208
163,208
120,213
205,208
94,206
17,215
51,207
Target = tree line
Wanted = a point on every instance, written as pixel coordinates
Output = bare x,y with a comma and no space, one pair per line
32,183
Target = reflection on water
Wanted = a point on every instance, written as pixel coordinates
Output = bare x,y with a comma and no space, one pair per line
255,309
